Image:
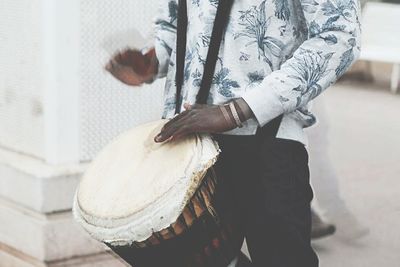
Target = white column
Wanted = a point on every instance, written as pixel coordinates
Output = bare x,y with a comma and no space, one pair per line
61,82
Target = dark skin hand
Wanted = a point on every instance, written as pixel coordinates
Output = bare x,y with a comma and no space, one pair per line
133,68
199,119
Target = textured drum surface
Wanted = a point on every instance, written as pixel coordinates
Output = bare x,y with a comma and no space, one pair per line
135,186
133,172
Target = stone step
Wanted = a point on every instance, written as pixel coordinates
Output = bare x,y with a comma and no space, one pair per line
48,237
10,257
36,185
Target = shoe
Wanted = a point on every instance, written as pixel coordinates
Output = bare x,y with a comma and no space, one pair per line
319,228
350,228
243,261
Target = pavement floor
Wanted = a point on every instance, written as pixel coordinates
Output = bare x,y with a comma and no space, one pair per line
365,150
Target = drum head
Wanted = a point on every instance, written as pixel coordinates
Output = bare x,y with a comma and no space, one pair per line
135,186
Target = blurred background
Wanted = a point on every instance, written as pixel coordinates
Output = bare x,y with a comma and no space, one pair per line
58,108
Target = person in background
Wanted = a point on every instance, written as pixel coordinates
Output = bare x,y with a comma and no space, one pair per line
276,57
326,185
319,227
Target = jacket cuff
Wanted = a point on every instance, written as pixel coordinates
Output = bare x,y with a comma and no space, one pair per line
163,58
264,103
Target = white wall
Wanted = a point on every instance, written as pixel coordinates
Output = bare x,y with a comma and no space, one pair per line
56,101
21,76
107,106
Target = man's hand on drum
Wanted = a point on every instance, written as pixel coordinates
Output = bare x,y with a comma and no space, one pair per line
199,119
132,67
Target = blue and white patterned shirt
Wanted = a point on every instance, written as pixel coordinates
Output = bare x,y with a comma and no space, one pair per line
277,55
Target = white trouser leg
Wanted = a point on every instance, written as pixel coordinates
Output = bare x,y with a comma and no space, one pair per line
394,85
233,263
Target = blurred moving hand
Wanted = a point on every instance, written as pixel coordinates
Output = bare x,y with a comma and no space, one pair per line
132,67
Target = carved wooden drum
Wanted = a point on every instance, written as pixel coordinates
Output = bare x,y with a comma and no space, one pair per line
159,204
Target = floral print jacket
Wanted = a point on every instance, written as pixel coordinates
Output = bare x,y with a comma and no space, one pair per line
277,55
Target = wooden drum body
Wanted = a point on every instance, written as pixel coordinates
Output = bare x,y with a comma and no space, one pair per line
159,204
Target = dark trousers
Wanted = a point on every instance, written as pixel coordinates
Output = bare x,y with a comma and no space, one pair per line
269,179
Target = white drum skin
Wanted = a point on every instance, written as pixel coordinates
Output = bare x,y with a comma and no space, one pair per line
135,186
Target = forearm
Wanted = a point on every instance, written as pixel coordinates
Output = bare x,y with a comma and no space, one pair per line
165,31
153,64
244,110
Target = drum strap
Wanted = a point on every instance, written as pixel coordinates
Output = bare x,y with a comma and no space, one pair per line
220,24
221,21
181,40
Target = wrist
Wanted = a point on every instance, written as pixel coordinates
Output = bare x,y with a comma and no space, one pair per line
243,109
235,114
230,122
153,65
231,115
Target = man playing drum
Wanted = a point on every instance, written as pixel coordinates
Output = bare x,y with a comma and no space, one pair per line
274,58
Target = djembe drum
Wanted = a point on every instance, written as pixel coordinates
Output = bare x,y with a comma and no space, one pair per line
159,204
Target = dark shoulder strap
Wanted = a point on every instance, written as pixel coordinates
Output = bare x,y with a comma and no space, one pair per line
221,21
181,37
220,24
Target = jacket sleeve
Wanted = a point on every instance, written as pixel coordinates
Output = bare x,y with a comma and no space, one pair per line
333,44
165,31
